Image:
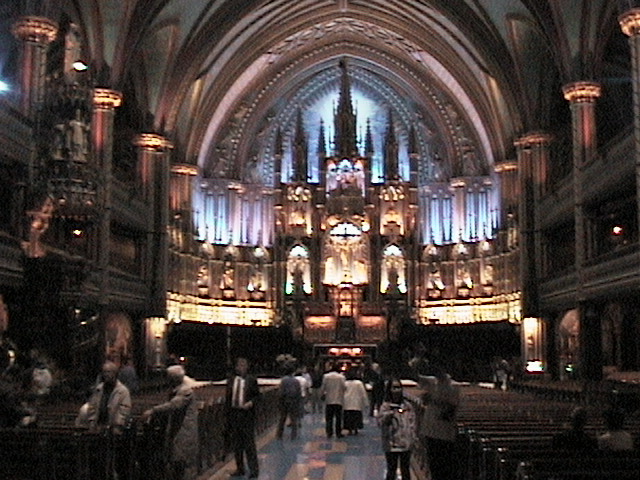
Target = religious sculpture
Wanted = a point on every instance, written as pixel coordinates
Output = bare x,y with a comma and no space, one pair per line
39,225
346,258
298,272
228,281
203,281
77,138
7,348
118,337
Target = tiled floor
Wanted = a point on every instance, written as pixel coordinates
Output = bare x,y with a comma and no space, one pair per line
314,457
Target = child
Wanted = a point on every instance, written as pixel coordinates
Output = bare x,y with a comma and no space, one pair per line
397,422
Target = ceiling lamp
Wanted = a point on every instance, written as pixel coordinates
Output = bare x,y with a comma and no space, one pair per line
80,66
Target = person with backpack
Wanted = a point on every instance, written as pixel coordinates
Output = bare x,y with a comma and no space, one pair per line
290,402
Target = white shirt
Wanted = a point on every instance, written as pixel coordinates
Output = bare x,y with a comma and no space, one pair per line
333,387
355,396
304,385
237,398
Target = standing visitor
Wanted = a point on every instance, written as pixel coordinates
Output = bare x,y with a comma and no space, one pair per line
441,399
501,373
375,380
182,424
110,403
128,375
304,391
314,393
240,401
41,381
109,409
355,402
332,392
397,423
290,403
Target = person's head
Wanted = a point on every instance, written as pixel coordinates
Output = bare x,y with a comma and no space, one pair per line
173,359
352,374
175,374
614,419
375,367
109,372
578,418
242,366
441,375
126,360
393,391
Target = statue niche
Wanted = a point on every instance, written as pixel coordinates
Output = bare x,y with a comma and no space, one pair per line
228,278
40,220
298,271
346,256
203,281
345,186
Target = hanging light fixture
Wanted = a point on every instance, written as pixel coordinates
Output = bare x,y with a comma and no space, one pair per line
80,66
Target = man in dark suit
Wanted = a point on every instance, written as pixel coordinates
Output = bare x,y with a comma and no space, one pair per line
241,396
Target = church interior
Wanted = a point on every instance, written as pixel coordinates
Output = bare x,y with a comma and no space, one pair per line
425,185
371,180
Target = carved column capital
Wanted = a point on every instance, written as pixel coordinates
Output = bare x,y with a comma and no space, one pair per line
533,139
106,99
35,29
630,22
506,166
152,141
582,92
185,169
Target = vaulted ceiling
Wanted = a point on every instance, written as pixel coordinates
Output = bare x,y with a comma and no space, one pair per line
211,74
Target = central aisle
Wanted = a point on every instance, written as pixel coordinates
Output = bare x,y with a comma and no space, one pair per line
314,457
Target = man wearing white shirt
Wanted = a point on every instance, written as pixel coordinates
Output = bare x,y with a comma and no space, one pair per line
332,391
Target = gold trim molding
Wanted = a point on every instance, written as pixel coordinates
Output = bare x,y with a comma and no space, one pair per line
581,92
189,308
499,308
630,22
35,29
533,139
184,169
106,99
152,141
507,166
